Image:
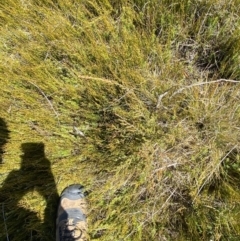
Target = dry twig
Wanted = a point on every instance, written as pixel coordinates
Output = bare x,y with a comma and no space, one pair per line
49,102
193,85
5,224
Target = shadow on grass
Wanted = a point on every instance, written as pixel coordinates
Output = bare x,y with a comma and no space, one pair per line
4,136
22,222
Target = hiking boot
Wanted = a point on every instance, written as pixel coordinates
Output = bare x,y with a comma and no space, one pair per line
71,222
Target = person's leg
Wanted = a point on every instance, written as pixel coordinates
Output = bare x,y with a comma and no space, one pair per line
71,222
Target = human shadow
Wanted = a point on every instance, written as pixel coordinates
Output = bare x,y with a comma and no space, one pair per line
19,221
4,136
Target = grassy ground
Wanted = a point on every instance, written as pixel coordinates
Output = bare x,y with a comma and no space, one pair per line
138,101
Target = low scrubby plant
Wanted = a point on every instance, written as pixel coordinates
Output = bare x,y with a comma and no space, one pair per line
138,101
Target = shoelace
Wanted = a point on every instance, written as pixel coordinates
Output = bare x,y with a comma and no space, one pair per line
70,231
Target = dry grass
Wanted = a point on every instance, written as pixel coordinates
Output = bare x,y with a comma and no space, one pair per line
139,102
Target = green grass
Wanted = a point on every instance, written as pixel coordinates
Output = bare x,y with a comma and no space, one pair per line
154,88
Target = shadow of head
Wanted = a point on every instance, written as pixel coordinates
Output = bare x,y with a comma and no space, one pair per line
4,136
34,156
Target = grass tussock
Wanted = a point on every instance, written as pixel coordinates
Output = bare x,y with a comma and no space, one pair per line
152,88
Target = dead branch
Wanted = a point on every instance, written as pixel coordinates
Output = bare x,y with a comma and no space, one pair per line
49,102
5,224
193,85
